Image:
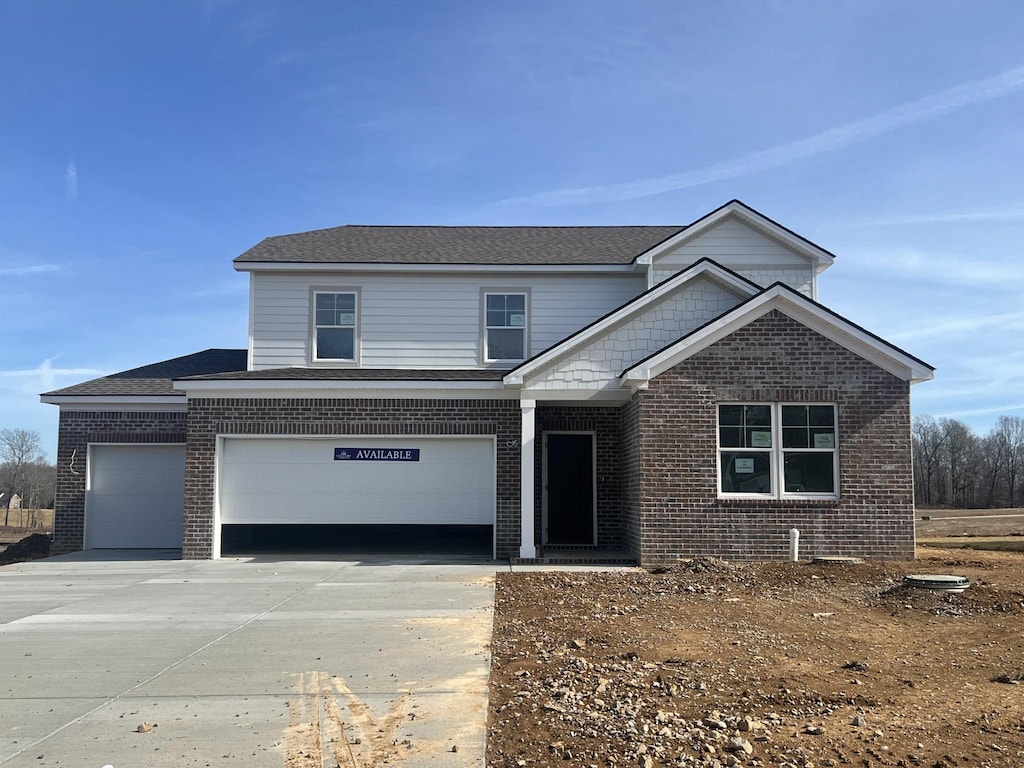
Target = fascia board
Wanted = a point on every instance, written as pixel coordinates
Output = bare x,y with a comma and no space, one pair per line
703,268
292,266
836,329
615,396
284,385
112,402
700,339
819,256
854,339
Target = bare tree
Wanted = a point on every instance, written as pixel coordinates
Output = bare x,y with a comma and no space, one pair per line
1009,430
38,487
929,442
18,447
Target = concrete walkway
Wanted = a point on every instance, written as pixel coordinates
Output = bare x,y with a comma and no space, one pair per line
126,660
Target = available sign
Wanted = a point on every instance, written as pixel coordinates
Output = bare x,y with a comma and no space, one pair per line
376,454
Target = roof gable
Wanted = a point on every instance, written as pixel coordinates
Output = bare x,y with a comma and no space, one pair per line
738,211
793,304
726,281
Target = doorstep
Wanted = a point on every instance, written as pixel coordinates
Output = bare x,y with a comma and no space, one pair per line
577,556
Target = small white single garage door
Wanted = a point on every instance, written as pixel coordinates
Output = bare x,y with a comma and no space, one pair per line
357,480
135,496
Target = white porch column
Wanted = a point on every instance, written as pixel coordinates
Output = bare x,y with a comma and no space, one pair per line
527,547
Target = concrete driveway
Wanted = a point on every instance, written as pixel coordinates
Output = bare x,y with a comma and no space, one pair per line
126,660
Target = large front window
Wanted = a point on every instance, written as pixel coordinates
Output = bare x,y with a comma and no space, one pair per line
334,331
505,325
777,449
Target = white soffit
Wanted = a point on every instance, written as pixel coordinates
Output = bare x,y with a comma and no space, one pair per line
799,308
363,266
168,403
703,268
735,209
269,388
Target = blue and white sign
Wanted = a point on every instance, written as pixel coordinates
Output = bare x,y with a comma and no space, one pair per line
376,454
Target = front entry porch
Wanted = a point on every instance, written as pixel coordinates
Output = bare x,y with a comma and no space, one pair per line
573,510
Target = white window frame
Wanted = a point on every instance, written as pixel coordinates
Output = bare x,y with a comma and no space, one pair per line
486,327
314,326
777,453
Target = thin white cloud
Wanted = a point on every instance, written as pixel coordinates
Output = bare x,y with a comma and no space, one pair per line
1000,409
952,217
34,269
918,111
929,266
45,375
71,182
1007,322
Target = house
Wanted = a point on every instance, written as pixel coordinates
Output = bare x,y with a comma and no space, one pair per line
659,391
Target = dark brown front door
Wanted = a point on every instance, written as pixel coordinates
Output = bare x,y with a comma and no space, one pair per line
570,488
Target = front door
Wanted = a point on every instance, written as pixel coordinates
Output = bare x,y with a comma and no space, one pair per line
569,488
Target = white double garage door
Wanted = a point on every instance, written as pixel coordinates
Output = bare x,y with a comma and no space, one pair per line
135,493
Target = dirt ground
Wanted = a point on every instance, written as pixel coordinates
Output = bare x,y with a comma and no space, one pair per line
970,522
762,664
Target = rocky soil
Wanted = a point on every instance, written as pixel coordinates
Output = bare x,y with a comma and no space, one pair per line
769,664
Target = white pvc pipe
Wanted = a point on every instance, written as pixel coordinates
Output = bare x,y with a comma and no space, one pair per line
794,545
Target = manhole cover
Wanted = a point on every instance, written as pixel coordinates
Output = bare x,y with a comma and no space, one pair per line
836,560
937,581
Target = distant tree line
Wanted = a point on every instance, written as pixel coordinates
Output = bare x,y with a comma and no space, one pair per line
24,472
955,467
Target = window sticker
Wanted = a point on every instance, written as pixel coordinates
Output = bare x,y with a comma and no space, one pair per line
760,439
744,466
825,441
517,320
346,318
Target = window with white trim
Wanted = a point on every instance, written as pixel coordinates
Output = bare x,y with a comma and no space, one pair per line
778,450
505,325
334,326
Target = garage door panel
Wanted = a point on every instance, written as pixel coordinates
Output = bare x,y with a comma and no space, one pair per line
390,508
136,496
356,477
286,480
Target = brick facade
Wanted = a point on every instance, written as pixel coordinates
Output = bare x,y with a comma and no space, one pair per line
657,495
772,359
604,422
208,418
75,431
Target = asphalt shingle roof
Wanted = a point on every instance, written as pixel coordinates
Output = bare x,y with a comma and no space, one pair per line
158,378
356,244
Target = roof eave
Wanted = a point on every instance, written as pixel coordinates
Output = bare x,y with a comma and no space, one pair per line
797,306
372,266
54,398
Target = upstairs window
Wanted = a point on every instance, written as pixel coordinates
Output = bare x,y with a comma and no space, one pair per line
505,324
778,450
334,326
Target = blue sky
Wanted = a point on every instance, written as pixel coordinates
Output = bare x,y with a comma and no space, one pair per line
144,145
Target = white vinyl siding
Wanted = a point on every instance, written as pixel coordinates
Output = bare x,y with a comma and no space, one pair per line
426,321
742,249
